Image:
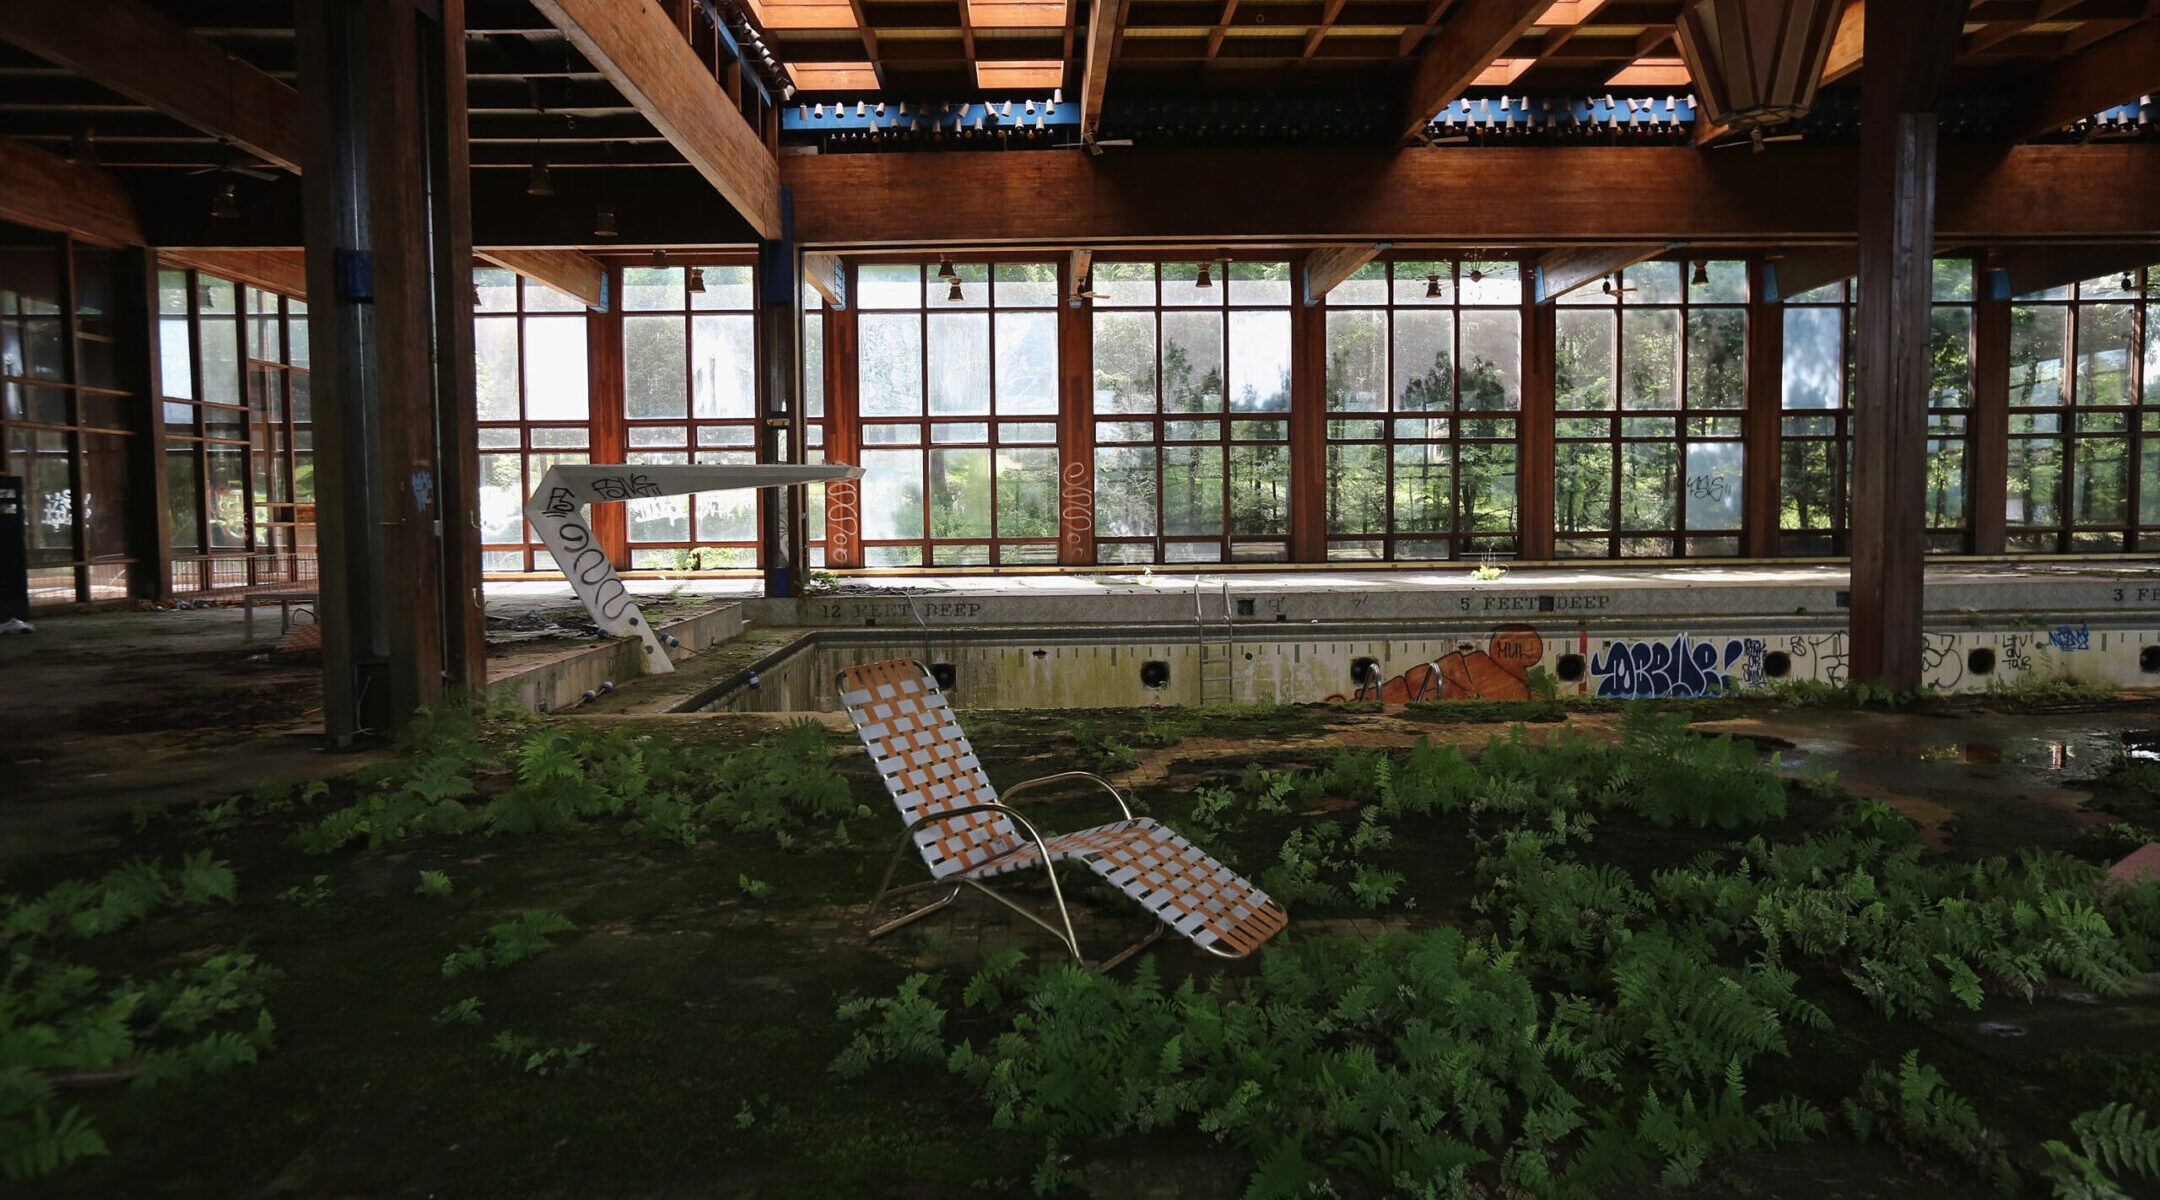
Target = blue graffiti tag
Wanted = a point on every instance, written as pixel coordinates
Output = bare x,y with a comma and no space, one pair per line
1682,667
2065,638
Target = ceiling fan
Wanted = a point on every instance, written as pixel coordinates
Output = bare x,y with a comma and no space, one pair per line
1092,144
1611,288
1758,140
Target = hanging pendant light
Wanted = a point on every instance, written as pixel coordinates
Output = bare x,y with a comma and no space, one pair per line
1432,287
539,182
1702,274
1204,281
954,295
604,221
1756,63
945,269
225,206
697,281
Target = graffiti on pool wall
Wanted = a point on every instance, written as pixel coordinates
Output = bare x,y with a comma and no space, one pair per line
2063,637
1680,667
1500,670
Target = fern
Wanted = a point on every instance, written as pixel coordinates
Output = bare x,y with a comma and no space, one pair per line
2113,1140
40,1146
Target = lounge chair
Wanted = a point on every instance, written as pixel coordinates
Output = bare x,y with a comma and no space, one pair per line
967,834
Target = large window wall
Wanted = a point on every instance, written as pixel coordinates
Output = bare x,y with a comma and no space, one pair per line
1819,375
1424,384
690,395
1650,384
534,398
2084,418
1191,404
65,422
958,395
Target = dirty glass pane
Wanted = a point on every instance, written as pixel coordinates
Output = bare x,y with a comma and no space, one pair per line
1649,485
1650,356
888,285
554,367
959,493
1946,483
959,364
1807,487
176,360
1424,361
655,367
1717,358
1413,280
1124,362
2036,355
892,495
1260,489
726,289
1027,493
1357,491
1260,283
723,367
2035,481
1123,284
1653,283
890,360
1192,362
2106,342
1192,490
1713,485
1026,285
1487,491
658,518
1259,361
1582,487
2100,483
645,289
1125,491
1813,367
1490,369
731,516
1953,279
1027,363
1583,360
1424,491
1357,360
1949,356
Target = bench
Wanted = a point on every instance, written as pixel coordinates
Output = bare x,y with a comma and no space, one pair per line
285,601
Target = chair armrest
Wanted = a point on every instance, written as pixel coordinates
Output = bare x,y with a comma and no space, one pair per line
949,813
1097,780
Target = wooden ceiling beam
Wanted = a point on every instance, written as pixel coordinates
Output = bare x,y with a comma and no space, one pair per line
1491,195
2116,71
1328,267
639,51
281,271
1476,33
1559,272
571,272
1803,271
135,50
2037,268
825,273
46,191
1105,18
1328,16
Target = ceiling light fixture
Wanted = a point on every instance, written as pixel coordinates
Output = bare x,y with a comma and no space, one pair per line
1432,287
659,259
225,206
945,269
954,295
2129,281
540,182
1702,273
604,221
1476,276
697,281
1204,280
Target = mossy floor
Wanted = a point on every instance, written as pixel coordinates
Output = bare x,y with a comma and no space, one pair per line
711,1012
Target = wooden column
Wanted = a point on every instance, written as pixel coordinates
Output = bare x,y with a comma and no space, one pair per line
384,122
843,433
1308,425
457,411
1987,467
1908,51
1076,421
135,326
782,547
1534,433
608,434
1762,427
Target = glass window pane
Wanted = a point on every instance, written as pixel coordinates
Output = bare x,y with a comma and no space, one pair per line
172,293
1713,485
555,384
220,361
1357,490
1490,283
2106,342
502,499
1026,285
1419,283
1125,479
892,495
726,289
959,493
1357,360
1953,279
183,495
1366,285
813,352
654,367
1124,362
1123,284
731,516
1260,283
1027,362
658,518
1027,493
1260,489
1192,362
891,365
889,285
723,367
1424,491
1813,366
1717,358
1649,484
1728,283
176,362
1653,283
973,290
495,367
1424,361
1181,286
2036,355
1487,487
1583,360
1582,487
1949,357
1490,370
2100,484
495,289
539,297
1259,361
959,365
1650,350
2035,482
1192,489
647,288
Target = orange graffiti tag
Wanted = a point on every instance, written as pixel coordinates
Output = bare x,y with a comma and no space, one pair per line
1501,671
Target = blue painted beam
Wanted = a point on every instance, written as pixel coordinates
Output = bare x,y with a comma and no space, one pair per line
954,115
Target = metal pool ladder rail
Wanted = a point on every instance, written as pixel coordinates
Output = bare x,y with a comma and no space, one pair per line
1218,649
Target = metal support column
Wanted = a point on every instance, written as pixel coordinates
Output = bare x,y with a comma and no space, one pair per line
783,538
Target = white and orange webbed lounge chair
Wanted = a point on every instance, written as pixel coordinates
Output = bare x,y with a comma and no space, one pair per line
967,834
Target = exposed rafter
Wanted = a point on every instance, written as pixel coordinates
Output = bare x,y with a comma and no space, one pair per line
1562,271
281,271
46,191
1327,268
1476,33
643,55
1803,271
142,54
571,272
2038,268
1104,19
2112,72
825,273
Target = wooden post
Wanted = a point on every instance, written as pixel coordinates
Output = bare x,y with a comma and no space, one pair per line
135,325
1076,421
782,546
843,434
383,114
1308,425
1908,51
1987,488
457,411
609,438
1762,428
1534,445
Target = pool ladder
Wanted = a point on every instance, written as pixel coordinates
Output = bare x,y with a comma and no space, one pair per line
1218,649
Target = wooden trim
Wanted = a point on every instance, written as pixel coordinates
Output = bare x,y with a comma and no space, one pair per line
1561,271
1308,425
2116,71
1476,33
604,413
843,435
46,191
1076,420
1535,514
280,271
1987,469
642,54
1490,195
1326,269
135,50
1762,425
571,272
